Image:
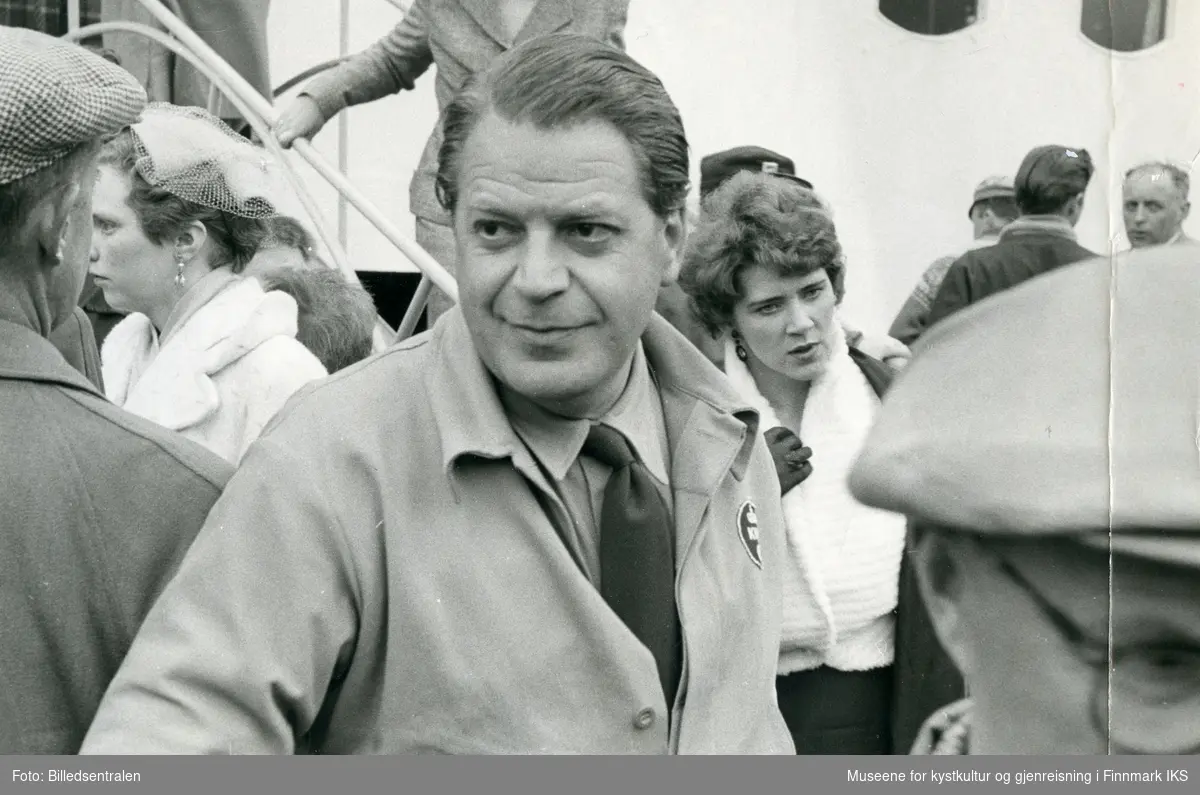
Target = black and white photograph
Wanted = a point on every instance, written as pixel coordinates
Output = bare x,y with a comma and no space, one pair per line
600,377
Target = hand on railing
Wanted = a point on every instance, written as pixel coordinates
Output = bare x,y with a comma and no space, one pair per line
301,118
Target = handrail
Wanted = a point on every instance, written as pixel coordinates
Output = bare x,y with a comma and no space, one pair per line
340,259
384,335
311,71
241,89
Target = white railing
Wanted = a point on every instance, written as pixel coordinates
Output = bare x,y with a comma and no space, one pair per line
261,116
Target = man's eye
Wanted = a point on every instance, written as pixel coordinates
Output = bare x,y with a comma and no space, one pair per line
591,232
492,230
1160,672
813,292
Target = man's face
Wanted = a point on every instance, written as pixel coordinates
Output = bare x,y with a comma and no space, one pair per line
66,280
1154,208
560,259
1034,690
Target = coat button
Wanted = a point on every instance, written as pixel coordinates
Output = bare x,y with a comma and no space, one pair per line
644,719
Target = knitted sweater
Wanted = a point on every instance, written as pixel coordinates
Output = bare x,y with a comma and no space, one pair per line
842,582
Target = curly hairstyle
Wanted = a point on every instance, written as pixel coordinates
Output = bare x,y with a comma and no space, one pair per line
756,219
162,215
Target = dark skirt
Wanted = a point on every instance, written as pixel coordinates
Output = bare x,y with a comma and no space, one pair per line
838,712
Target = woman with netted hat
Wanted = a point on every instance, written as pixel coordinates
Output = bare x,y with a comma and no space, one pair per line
764,271
181,206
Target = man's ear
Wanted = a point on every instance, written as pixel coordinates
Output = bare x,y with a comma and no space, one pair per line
941,575
675,232
49,219
1187,208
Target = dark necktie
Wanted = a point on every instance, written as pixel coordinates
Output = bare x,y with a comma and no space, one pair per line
637,553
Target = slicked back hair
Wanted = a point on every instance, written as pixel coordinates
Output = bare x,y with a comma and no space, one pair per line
565,79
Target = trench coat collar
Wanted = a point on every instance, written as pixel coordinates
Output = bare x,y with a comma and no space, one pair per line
710,429
545,17
27,356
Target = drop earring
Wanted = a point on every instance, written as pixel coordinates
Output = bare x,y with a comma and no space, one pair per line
180,279
738,348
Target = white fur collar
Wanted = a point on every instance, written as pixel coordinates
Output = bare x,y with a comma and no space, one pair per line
844,557
173,386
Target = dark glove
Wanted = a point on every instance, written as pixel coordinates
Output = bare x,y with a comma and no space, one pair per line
790,456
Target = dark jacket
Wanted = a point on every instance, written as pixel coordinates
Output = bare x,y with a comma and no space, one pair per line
925,677
96,509
1028,247
76,341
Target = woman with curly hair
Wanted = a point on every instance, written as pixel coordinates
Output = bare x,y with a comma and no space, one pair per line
181,206
765,272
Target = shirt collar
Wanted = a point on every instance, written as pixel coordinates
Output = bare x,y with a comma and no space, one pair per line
556,441
471,419
1039,224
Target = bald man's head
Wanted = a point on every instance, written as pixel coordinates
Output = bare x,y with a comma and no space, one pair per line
1155,203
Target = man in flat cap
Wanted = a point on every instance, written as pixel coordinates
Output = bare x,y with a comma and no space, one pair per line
993,207
1154,203
1049,188
1045,444
96,506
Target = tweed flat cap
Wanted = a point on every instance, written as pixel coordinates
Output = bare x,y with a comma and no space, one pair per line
720,166
992,188
1068,405
55,95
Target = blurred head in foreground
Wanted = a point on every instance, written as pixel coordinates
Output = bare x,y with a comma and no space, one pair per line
1045,444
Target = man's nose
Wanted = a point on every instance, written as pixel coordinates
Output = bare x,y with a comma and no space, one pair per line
541,274
1140,214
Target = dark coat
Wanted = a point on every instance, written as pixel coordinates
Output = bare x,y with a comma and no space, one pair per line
96,509
1021,254
76,341
925,678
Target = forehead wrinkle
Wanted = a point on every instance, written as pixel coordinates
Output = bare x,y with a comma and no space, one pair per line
487,194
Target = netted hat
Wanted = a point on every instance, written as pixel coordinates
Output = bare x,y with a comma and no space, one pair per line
54,96
192,154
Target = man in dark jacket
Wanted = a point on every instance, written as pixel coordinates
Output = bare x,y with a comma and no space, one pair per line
1049,189
96,506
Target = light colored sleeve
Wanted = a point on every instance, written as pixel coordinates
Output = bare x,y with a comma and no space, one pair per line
237,654
387,67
